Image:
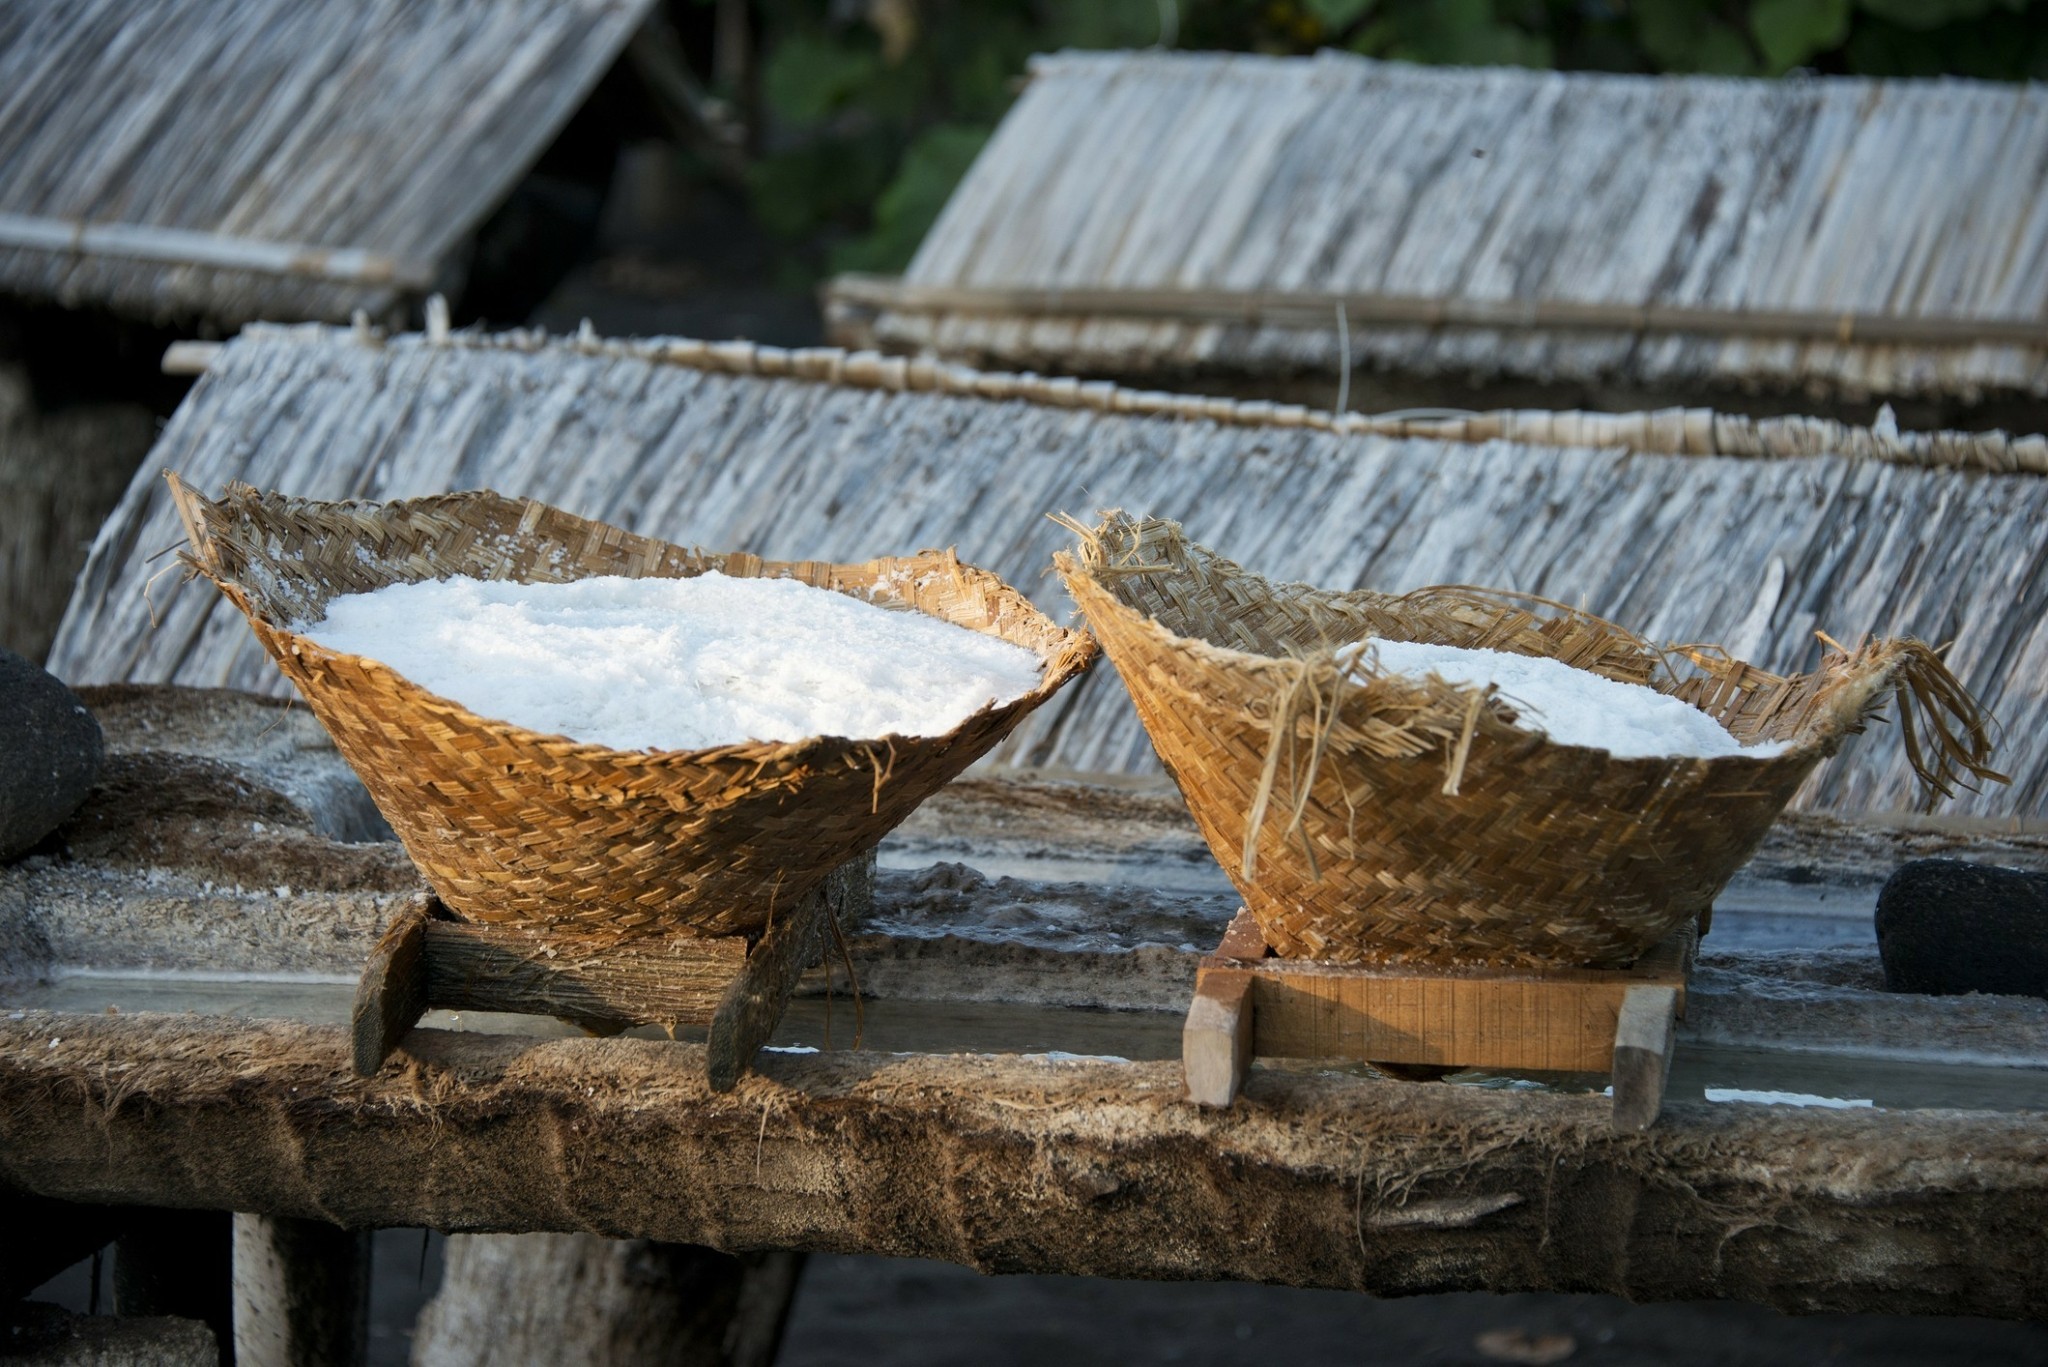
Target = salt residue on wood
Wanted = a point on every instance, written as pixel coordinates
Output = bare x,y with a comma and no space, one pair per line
679,664
1572,706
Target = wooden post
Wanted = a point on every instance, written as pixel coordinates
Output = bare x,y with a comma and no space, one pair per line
754,1003
1216,1042
1642,1055
391,996
582,1299
302,1293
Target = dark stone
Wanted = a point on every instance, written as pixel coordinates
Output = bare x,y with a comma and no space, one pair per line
1944,927
49,754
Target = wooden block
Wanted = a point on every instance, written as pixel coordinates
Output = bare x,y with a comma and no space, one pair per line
657,980
1642,1055
391,995
754,1003
428,959
1216,1042
1548,1019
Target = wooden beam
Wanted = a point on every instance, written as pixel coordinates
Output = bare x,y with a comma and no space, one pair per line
1317,311
189,247
1031,1164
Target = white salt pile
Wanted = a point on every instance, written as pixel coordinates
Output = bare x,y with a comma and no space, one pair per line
679,664
1572,706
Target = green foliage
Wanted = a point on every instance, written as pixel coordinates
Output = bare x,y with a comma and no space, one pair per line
870,111
932,166
1931,14
1685,35
1791,32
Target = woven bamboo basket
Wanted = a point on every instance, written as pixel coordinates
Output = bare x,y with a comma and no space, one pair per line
586,842
1371,818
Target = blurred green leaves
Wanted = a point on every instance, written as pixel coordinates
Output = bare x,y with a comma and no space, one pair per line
1790,32
932,166
870,111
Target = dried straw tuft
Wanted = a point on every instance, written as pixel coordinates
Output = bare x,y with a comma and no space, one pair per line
1369,817
588,843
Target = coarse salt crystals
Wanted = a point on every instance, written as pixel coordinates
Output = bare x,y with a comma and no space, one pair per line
679,664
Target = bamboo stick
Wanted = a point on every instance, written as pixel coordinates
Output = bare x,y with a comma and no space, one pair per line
184,247
1314,309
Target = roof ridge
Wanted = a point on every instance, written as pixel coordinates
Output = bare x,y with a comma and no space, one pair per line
1664,431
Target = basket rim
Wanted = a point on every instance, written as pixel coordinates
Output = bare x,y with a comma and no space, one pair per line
1067,654
1813,737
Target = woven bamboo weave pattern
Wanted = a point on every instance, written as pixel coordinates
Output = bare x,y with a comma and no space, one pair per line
1368,817
586,842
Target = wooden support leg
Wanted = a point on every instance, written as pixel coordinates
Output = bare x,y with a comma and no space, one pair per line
756,1000
302,1293
1216,1042
1642,1055
541,1299
391,996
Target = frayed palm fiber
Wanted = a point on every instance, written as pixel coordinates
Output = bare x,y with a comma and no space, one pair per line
585,842
1381,819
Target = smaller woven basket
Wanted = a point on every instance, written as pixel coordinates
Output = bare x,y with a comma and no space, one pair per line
1368,817
578,840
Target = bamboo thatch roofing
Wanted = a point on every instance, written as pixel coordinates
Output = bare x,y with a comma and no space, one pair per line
273,158
825,455
1200,214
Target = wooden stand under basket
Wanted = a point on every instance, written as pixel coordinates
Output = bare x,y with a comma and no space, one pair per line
1248,1003
429,959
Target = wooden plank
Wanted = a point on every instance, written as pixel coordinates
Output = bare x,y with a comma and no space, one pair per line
1549,1019
1003,1162
1642,1055
658,980
1216,1042
391,995
754,1002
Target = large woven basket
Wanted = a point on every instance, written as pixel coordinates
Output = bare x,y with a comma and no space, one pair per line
1367,817
509,825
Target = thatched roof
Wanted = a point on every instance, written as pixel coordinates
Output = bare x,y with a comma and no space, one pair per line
823,455
1204,215
273,158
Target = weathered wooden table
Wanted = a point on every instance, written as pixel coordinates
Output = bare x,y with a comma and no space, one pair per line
173,1035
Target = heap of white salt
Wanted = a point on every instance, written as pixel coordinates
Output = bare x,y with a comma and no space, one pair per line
1573,706
679,664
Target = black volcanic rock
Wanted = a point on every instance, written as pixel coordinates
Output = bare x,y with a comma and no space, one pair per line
49,754
1944,927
